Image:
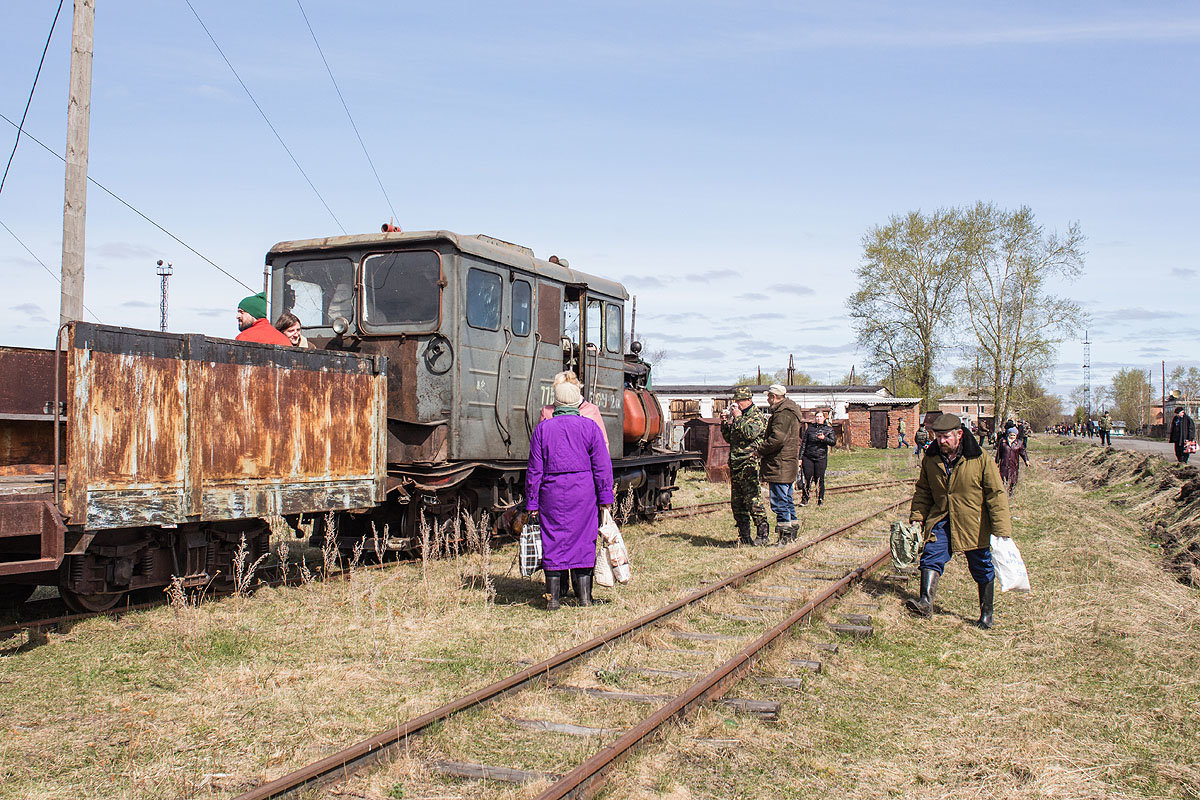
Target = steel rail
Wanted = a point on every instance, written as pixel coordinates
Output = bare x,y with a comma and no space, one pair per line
588,778
344,763
708,508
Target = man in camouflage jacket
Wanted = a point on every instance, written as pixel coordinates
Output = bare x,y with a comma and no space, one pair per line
744,425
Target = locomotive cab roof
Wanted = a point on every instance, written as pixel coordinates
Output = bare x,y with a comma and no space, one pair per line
497,250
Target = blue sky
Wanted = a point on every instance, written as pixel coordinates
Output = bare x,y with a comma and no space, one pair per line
722,159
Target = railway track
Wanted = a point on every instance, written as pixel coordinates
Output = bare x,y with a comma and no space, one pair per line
792,609
708,508
43,623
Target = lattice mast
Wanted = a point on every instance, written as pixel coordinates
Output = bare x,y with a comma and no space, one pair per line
1087,373
164,272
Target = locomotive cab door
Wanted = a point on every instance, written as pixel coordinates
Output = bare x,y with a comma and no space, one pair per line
592,348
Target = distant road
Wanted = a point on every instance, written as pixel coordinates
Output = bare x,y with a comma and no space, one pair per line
1139,445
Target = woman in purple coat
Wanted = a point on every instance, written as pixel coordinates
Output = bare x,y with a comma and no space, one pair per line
568,480
1010,452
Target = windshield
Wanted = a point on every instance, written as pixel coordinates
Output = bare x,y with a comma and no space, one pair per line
402,288
318,292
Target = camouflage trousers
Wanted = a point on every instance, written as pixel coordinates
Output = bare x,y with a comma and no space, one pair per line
745,496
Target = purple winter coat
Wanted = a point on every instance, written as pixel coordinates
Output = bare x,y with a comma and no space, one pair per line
568,479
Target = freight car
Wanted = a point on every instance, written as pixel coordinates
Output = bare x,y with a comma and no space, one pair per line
156,453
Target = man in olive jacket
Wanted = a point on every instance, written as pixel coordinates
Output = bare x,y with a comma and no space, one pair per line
960,502
780,452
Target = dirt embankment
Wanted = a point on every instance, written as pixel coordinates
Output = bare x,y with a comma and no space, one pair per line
1163,494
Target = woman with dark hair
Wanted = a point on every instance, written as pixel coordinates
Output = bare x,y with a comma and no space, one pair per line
568,481
289,325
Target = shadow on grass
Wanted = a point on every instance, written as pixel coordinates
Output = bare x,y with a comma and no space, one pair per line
512,591
699,540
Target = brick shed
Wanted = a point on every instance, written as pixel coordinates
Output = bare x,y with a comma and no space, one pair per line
874,424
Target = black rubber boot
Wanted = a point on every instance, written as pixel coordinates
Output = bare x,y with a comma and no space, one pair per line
764,534
744,533
581,582
987,592
787,532
923,606
553,589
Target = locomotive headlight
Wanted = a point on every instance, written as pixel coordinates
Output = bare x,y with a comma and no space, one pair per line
340,326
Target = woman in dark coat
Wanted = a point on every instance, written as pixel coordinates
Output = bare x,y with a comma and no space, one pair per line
568,480
1010,452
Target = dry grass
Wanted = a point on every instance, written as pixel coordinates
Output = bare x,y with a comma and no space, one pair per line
204,701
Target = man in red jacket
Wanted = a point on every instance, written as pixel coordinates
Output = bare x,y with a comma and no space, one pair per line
253,322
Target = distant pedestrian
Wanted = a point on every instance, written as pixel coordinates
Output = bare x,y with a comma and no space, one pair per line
253,323
780,453
744,426
1010,452
921,437
1105,429
960,502
1183,432
814,457
900,434
568,480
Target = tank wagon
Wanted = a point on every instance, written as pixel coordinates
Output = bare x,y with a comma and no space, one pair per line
129,457
473,329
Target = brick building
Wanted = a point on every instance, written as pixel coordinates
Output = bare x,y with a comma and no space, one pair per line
874,424
971,407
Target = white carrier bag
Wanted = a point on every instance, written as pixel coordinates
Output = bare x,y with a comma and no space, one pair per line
614,544
1010,568
530,556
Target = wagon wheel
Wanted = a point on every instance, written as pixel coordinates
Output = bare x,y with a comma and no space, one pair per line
15,594
90,603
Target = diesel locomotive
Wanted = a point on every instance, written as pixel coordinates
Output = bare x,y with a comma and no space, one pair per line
432,356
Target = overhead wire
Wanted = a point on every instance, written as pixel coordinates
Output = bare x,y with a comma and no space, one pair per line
125,203
266,119
29,100
349,116
49,271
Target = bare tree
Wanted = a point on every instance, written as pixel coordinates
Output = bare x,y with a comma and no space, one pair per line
1018,323
909,285
1131,397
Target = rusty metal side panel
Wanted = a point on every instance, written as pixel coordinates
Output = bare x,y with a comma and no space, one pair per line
176,428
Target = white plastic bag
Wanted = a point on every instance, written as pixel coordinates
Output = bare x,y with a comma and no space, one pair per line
1010,568
603,572
618,554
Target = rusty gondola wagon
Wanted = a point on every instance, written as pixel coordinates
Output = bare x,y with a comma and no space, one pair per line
153,454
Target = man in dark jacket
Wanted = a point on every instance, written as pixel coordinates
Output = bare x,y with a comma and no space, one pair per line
1183,430
814,456
780,452
960,501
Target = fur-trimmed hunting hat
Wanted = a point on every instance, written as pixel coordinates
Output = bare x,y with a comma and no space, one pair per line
946,423
742,393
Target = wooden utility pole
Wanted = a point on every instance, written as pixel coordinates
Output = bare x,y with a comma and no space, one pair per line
75,198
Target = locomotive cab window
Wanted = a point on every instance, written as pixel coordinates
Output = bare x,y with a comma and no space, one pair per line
402,288
484,290
319,291
522,304
612,327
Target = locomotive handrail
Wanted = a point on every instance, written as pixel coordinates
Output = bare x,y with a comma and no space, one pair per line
537,341
505,435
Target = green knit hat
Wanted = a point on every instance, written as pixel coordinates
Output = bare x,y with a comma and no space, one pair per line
255,305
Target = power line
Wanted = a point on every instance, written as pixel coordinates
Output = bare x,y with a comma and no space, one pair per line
29,100
338,89
49,271
287,149
122,201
